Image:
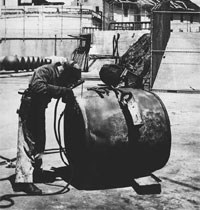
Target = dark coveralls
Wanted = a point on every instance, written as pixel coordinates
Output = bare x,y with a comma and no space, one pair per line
31,132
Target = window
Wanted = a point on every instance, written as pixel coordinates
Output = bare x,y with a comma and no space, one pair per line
97,9
125,8
126,12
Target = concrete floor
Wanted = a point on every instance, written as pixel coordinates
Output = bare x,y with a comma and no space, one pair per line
180,177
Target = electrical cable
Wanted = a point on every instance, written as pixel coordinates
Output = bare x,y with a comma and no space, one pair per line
58,138
65,189
62,150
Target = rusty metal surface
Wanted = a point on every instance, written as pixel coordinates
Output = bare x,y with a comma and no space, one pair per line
103,141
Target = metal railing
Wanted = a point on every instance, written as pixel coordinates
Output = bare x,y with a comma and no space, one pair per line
61,10
137,25
90,30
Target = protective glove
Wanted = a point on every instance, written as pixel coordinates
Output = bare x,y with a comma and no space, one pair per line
67,95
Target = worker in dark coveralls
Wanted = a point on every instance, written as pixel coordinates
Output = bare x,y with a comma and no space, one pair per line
47,82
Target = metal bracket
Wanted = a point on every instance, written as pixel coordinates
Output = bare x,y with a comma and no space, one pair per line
147,185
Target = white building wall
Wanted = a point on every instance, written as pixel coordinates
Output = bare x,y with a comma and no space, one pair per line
9,3
1,3
119,14
93,3
41,26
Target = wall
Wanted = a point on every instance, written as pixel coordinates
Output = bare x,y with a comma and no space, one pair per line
102,41
93,3
41,22
40,48
37,25
185,22
133,12
15,29
103,45
2,2
9,3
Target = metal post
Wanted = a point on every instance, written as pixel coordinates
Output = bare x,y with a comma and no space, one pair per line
5,24
24,24
42,13
55,46
103,17
62,23
122,12
151,66
80,18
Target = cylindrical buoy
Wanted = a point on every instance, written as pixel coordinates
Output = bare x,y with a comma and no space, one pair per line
22,63
11,63
32,63
42,61
27,65
1,62
111,140
37,62
47,60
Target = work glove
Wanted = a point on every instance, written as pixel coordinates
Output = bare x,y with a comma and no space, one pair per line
67,95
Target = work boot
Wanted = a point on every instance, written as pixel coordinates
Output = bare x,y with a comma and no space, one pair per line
43,176
28,188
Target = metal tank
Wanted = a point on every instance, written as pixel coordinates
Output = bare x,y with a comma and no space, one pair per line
114,136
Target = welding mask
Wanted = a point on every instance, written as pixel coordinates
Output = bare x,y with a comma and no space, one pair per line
110,74
70,75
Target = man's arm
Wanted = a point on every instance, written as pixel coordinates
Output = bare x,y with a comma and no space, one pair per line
42,83
57,92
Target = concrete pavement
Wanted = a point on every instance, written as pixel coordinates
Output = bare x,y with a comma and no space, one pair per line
180,177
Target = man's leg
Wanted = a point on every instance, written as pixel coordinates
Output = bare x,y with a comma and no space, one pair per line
25,152
24,168
24,164
37,127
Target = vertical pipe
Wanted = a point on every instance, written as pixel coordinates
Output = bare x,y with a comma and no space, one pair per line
55,46
41,12
62,23
122,12
80,18
113,6
5,24
38,23
103,17
151,47
24,24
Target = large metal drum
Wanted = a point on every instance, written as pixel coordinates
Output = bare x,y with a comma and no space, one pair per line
109,142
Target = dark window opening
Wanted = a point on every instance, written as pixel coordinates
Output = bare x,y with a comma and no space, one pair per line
126,8
181,18
125,12
97,9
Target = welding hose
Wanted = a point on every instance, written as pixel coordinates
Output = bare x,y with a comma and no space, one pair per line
57,132
65,189
9,197
58,139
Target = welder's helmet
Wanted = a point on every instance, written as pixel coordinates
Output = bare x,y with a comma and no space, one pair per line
110,74
71,73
